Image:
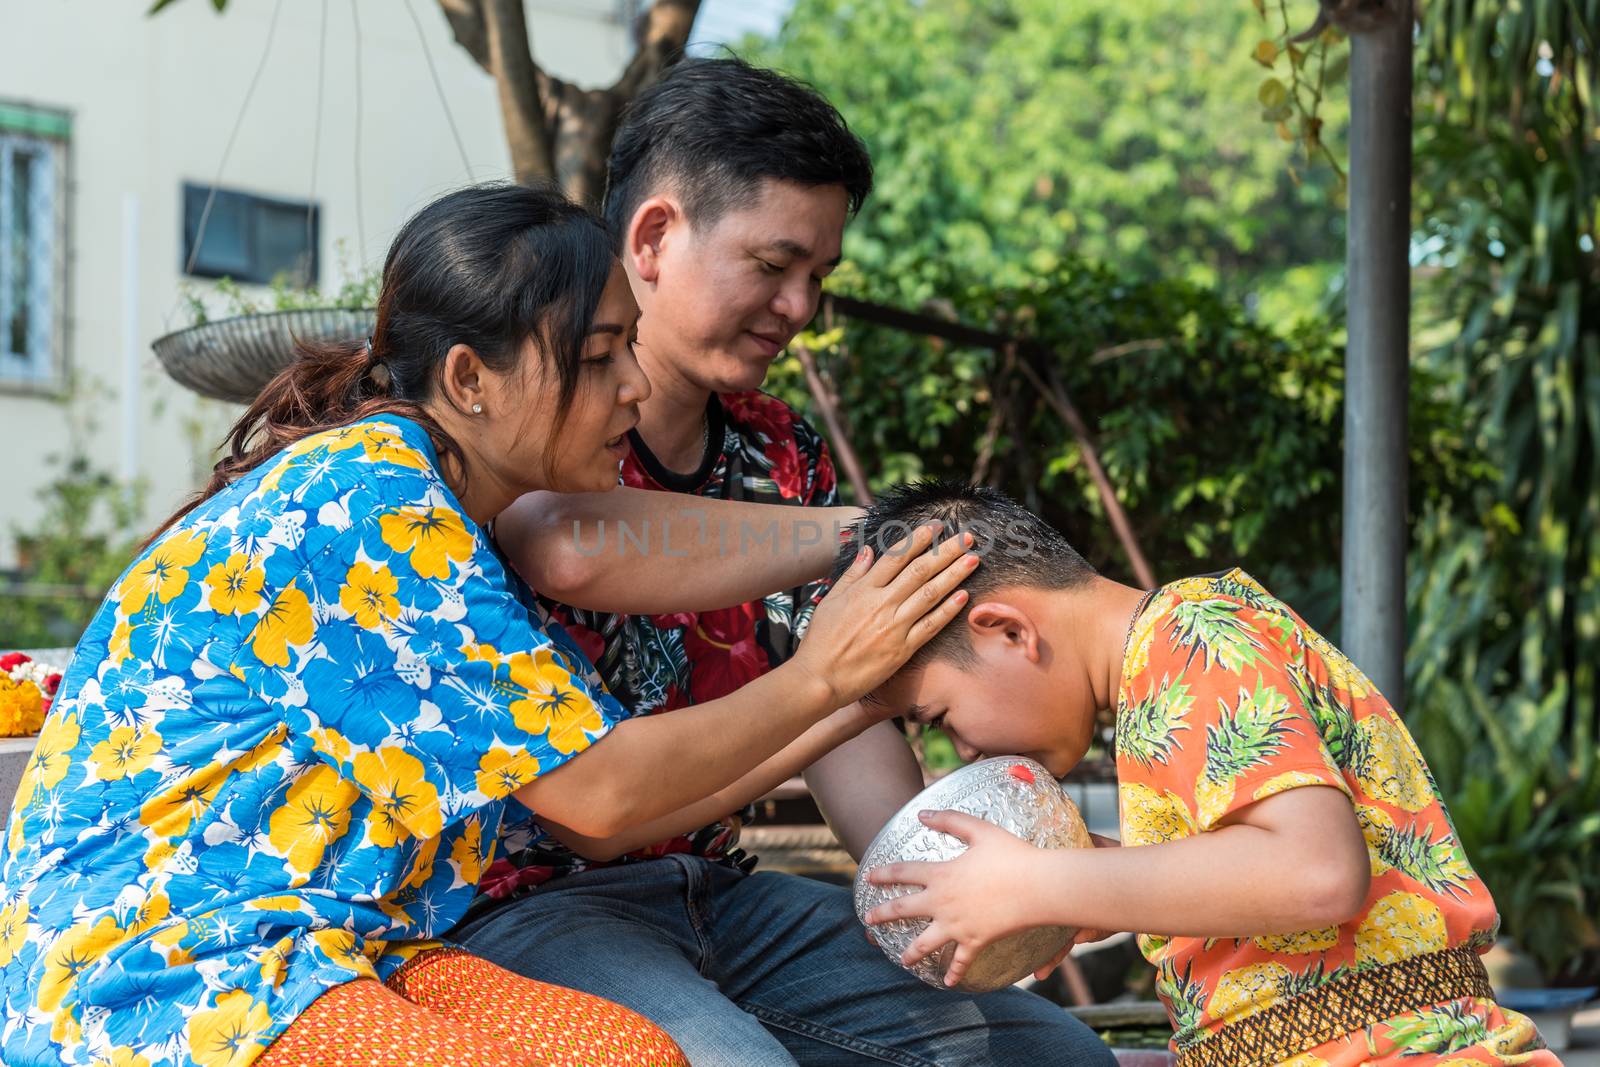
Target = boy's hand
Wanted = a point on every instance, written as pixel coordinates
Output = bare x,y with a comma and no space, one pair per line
973,900
1082,937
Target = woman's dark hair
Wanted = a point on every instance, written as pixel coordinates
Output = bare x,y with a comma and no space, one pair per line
712,129
486,266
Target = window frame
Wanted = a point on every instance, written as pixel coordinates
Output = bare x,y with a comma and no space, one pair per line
48,131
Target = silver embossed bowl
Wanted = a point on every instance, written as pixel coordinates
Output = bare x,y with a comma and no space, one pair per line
1016,794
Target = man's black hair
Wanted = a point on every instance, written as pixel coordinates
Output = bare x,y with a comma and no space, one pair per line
711,130
1018,547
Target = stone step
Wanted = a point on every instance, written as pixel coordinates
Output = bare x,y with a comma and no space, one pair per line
14,753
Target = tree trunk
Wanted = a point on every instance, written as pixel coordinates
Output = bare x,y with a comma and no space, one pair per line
557,131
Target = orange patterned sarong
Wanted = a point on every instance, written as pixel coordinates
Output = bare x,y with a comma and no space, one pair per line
449,1007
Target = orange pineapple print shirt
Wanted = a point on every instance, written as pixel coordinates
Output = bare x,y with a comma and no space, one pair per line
1228,698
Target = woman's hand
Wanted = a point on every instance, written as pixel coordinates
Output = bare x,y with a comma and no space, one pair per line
879,613
974,900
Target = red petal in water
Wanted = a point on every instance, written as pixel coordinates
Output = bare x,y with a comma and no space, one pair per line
1021,773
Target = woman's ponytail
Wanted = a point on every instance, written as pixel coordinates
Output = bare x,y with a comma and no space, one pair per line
327,385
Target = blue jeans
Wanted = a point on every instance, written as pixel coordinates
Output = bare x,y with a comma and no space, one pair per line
761,970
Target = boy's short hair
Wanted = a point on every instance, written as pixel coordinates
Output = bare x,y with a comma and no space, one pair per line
1018,548
712,129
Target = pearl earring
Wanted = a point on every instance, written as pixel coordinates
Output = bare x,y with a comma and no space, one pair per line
477,409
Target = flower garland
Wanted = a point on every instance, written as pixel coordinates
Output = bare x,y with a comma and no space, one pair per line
26,689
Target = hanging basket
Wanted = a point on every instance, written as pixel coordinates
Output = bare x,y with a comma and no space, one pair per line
233,358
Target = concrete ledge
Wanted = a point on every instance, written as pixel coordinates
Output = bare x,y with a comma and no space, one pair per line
14,753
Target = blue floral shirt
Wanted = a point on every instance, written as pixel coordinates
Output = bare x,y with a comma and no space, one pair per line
278,762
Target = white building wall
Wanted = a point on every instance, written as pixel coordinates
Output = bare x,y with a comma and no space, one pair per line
153,103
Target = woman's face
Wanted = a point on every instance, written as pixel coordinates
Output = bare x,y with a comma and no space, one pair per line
583,453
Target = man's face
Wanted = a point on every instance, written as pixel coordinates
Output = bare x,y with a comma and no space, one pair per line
999,706
728,297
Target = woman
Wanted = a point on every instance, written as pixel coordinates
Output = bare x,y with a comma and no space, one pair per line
278,764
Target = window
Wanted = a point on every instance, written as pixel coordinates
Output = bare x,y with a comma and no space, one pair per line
250,238
33,228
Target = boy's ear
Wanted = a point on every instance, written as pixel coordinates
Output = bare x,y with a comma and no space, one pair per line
1003,627
647,235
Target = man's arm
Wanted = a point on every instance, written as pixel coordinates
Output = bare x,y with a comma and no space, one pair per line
637,552
863,782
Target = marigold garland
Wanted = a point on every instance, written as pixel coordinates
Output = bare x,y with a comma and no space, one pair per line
26,690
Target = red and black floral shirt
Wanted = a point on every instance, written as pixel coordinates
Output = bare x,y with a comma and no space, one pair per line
758,450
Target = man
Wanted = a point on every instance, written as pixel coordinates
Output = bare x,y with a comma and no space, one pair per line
729,189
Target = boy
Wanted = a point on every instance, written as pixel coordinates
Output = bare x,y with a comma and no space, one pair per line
1298,884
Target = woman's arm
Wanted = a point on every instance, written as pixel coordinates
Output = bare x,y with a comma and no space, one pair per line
639,552
835,730
648,768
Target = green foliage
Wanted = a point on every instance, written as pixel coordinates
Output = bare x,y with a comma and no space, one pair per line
226,298
1505,594
71,556
1012,135
1221,436
1014,138
1304,79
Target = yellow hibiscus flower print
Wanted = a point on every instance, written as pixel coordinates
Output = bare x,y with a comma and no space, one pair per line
73,953
481,653
125,753
339,440
327,442
433,537
121,644
404,803
282,902
163,573
274,961
287,622
170,812
502,772
341,948
467,853
384,446
368,595
315,813
233,1034
13,929
122,1056
549,704
146,913
50,759
235,585
158,853
169,945
331,743
422,865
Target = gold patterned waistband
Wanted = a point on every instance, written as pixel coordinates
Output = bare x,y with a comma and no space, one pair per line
1344,1005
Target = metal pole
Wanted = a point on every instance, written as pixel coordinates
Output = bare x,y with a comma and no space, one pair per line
132,405
1377,264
